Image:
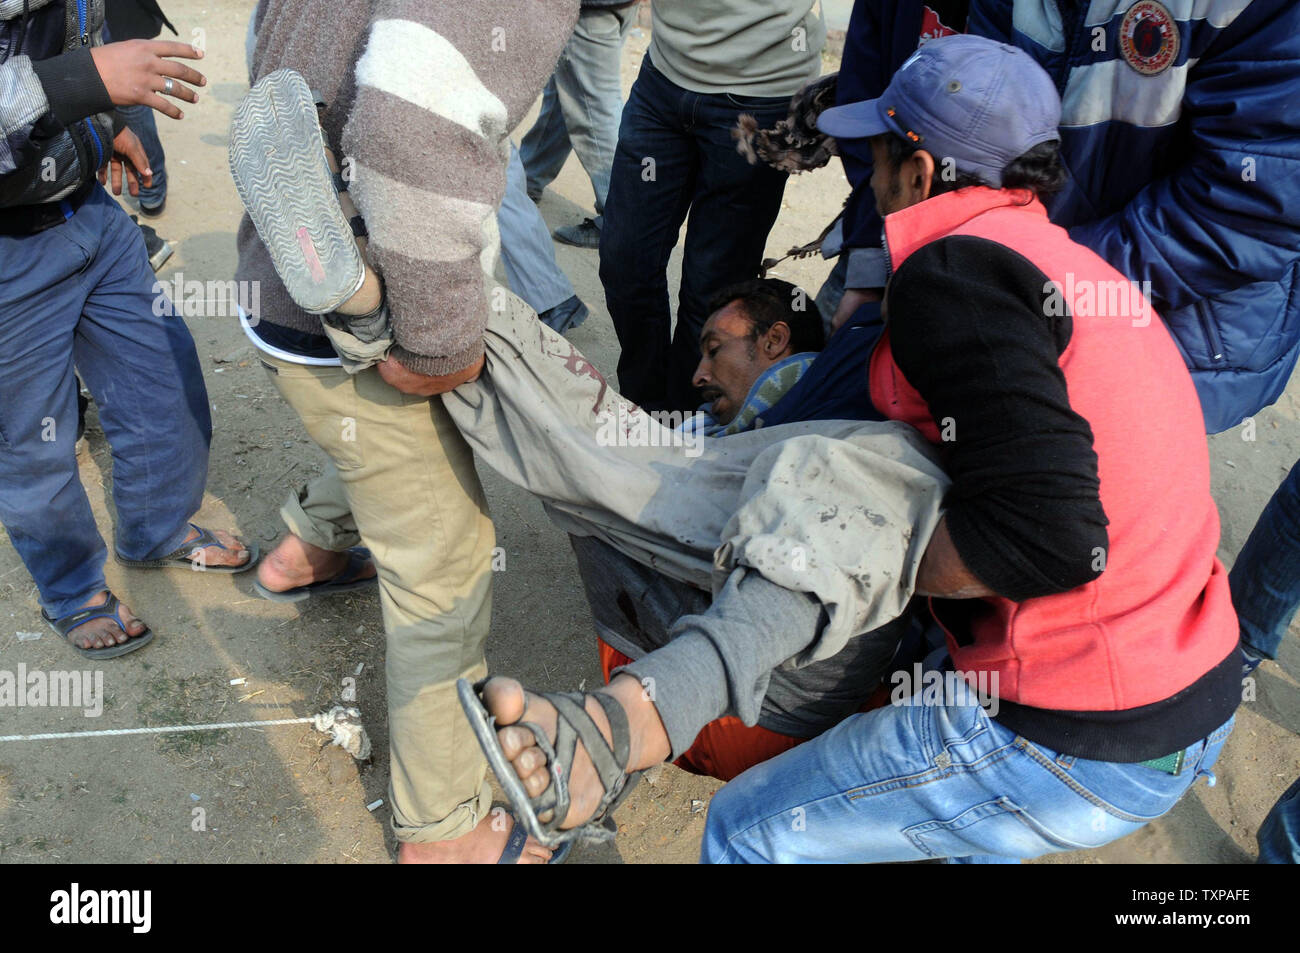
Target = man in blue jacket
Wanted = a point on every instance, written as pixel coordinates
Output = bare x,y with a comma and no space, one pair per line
76,290
1180,129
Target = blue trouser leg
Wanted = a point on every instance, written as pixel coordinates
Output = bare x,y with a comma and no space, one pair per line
142,123
1279,835
42,502
140,364
650,192
545,147
526,247
924,781
1265,579
581,104
82,294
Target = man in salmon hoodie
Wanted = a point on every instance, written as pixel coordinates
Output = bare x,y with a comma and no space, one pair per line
1091,673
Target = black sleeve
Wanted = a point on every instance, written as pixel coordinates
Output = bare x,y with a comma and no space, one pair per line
971,331
73,85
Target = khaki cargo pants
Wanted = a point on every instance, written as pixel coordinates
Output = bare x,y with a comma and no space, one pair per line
404,485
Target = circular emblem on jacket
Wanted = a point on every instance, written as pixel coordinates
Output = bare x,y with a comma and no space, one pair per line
1148,37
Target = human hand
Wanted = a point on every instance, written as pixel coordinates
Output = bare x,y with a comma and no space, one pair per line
129,157
135,73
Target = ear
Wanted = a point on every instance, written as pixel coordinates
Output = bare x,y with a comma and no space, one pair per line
920,174
777,340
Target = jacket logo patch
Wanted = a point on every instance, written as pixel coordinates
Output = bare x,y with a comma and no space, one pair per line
1148,37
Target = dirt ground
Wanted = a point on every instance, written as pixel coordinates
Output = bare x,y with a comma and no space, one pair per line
275,794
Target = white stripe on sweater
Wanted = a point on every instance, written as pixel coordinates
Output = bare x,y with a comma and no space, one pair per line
432,226
414,63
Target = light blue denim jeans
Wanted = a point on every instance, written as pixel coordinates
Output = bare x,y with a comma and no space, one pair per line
526,248
920,782
581,104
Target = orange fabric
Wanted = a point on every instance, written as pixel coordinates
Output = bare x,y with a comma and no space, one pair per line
726,747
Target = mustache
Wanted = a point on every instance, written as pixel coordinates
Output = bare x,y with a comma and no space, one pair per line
711,394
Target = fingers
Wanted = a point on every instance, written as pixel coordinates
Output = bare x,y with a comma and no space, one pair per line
132,181
173,48
132,150
164,106
116,165
182,72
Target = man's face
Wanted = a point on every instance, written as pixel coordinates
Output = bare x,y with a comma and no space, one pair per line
731,360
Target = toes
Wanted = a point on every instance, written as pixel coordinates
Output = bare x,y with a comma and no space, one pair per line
514,741
504,698
536,783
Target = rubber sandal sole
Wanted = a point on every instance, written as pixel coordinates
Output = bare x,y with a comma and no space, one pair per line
326,587
277,159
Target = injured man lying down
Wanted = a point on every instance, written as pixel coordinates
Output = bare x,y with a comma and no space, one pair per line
751,596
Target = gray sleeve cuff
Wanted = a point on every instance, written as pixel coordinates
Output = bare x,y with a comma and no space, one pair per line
73,85
867,268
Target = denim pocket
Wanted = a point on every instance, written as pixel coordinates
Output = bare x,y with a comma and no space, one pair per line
999,826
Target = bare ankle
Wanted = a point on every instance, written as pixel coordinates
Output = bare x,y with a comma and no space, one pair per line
648,740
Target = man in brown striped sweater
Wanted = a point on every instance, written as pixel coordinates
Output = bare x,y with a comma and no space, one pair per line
420,99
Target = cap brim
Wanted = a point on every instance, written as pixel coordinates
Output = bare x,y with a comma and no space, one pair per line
854,121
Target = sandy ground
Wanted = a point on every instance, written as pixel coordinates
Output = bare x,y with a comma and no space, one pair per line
275,794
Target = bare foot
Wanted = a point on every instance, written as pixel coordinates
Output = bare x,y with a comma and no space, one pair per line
295,562
103,633
482,845
647,744
235,554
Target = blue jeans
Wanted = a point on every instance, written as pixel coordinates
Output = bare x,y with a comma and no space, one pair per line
581,104
1265,579
676,154
526,247
935,781
81,295
142,123
1279,835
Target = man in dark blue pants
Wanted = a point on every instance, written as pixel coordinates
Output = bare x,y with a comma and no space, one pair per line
77,294
676,154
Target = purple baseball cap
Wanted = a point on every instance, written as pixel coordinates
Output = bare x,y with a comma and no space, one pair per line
968,98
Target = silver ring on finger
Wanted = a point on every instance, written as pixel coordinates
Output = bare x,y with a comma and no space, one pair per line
168,84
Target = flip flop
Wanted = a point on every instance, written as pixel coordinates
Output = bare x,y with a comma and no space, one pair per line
180,558
277,159
345,581
514,848
106,610
572,724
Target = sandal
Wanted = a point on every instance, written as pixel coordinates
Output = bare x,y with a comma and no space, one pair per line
277,159
107,610
572,724
348,580
514,848
180,558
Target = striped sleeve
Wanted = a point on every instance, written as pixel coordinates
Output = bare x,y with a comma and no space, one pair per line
439,86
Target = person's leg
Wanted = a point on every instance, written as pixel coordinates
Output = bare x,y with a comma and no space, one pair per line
42,502
526,248
926,781
545,147
417,504
652,179
732,210
1265,579
321,531
590,97
141,121
139,361
1279,835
